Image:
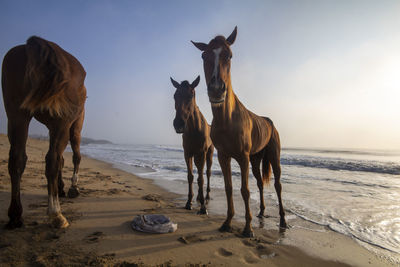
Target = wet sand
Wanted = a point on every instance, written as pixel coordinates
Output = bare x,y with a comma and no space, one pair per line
100,233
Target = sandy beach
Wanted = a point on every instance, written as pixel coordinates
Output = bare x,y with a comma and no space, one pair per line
100,233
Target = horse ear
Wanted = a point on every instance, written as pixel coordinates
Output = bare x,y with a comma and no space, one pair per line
174,83
195,82
201,46
231,39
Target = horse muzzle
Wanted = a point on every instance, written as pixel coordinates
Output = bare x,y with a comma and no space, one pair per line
216,95
179,126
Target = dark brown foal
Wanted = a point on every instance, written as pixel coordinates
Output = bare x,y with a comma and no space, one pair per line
238,133
196,138
41,80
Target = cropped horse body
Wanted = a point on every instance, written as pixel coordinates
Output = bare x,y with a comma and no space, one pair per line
238,133
40,80
196,139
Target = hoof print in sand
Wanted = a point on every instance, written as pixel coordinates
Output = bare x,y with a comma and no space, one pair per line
251,258
248,243
191,239
225,252
152,197
94,237
264,252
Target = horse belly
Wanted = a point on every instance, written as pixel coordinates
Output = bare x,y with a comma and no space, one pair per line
233,142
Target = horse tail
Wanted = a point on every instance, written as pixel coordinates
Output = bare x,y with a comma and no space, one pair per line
266,168
47,76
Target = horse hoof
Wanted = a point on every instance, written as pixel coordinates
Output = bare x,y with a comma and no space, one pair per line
15,223
283,225
188,206
73,192
58,221
248,233
208,197
225,228
61,193
202,211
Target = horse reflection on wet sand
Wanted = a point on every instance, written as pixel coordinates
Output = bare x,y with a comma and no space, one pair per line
238,133
43,81
196,138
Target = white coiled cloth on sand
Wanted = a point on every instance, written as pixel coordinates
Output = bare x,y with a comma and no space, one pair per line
153,223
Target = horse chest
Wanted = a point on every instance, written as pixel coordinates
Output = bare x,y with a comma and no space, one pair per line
194,141
231,140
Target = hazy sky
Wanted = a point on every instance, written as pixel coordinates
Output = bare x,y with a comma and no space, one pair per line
326,72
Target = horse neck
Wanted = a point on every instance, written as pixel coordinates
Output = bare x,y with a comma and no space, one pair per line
222,115
194,120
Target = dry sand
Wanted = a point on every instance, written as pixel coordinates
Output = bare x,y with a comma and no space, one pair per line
100,232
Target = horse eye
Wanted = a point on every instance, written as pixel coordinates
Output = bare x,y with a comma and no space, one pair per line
202,55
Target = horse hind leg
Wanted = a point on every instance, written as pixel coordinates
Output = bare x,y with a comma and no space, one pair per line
17,136
276,167
75,140
58,142
209,159
255,167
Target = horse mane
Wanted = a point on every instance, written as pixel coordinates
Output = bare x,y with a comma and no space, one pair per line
47,76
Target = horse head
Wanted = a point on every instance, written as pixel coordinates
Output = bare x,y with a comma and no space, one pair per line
184,102
217,64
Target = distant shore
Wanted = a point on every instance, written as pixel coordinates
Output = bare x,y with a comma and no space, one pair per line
100,232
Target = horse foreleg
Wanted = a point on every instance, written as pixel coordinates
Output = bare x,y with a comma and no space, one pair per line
17,135
278,188
225,163
244,169
58,142
199,160
189,165
75,140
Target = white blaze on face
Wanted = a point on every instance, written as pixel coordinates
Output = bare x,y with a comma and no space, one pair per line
54,205
216,64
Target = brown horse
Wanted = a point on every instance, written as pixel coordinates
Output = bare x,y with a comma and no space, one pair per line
196,138
43,81
238,133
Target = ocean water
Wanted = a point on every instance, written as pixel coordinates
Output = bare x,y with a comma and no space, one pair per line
353,192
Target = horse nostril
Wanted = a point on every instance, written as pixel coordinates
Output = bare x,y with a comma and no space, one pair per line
223,89
175,123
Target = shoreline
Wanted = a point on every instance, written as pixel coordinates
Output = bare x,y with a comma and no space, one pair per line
100,225
217,206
